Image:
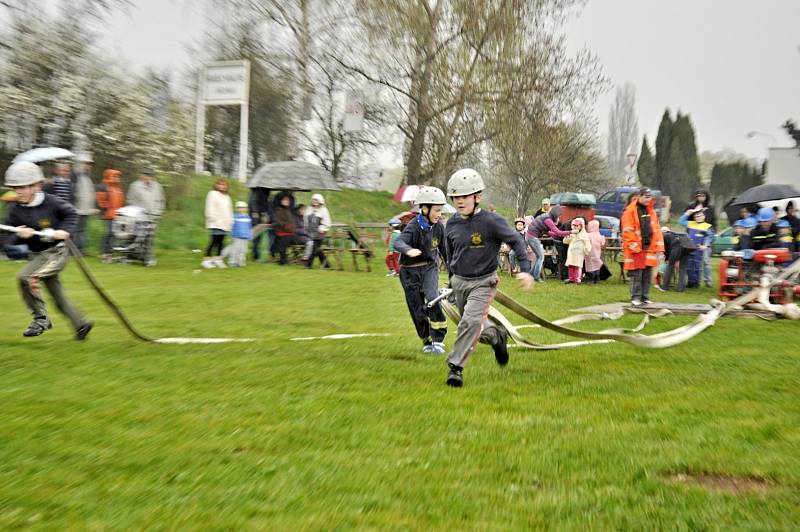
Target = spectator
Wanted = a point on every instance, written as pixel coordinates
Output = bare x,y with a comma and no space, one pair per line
109,198
317,221
241,233
392,255
147,193
61,185
85,199
285,226
701,200
542,226
260,209
579,247
219,220
519,227
743,238
677,248
544,208
765,234
702,234
642,241
594,260
794,221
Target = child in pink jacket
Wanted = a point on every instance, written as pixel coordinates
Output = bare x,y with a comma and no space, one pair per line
594,260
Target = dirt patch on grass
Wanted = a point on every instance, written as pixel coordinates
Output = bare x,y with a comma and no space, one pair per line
721,482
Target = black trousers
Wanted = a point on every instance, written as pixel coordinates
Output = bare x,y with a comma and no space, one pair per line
215,243
316,251
282,244
420,286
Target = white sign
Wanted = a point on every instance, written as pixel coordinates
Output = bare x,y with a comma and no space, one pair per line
354,111
225,83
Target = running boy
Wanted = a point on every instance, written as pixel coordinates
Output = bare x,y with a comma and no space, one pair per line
36,211
473,241
419,245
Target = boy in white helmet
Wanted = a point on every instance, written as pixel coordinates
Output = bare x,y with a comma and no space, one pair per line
420,245
473,240
36,211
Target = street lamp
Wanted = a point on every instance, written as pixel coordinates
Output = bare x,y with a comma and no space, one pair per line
751,134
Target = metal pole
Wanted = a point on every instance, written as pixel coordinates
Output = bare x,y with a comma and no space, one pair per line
200,145
243,125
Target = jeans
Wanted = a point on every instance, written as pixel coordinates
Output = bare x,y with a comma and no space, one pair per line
707,266
538,252
640,283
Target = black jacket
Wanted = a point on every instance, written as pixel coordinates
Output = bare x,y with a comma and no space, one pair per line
428,242
52,213
473,244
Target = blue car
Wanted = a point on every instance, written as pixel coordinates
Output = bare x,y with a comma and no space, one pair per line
609,226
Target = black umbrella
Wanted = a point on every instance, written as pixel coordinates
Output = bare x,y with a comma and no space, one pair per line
765,193
751,197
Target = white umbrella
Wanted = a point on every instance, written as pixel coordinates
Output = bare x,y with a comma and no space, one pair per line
38,155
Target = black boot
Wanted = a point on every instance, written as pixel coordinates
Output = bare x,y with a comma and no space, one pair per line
83,331
456,376
500,346
38,326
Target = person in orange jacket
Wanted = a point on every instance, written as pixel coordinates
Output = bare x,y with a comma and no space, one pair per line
642,242
109,198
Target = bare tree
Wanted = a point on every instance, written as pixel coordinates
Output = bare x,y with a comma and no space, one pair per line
623,130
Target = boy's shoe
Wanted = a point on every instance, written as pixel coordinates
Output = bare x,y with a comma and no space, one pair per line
438,348
500,347
37,327
636,302
207,264
455,377
427,348
83,331
648,302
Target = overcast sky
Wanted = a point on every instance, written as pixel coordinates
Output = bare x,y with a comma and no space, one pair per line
733,65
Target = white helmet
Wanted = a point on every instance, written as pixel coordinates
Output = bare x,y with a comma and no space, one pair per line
319,198
464,182
430,196
22,174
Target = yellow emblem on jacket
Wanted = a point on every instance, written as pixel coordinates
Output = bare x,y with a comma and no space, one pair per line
476,239
44,224
435,243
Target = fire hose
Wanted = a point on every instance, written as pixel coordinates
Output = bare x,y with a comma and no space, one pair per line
630,336
47,235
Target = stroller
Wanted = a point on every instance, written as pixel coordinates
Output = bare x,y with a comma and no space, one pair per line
132,232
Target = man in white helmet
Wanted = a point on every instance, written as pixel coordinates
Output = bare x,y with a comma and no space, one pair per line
473,240
420,245
36,211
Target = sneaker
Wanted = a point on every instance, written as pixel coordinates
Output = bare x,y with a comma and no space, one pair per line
500,347
636,302
219,263
390,274
83,331
37,327
207,264
437,348
648,302
455,377
428,348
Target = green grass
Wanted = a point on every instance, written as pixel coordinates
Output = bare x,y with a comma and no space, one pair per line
363,433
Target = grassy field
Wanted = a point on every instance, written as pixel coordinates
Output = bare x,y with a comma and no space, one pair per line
363,433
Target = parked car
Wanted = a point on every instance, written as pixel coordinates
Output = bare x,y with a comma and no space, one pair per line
613,202
724,241
609,226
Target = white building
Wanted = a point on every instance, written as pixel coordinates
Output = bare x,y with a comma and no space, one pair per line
783,167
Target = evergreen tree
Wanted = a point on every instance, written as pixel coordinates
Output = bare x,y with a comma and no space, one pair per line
663,143
684,162
647,165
